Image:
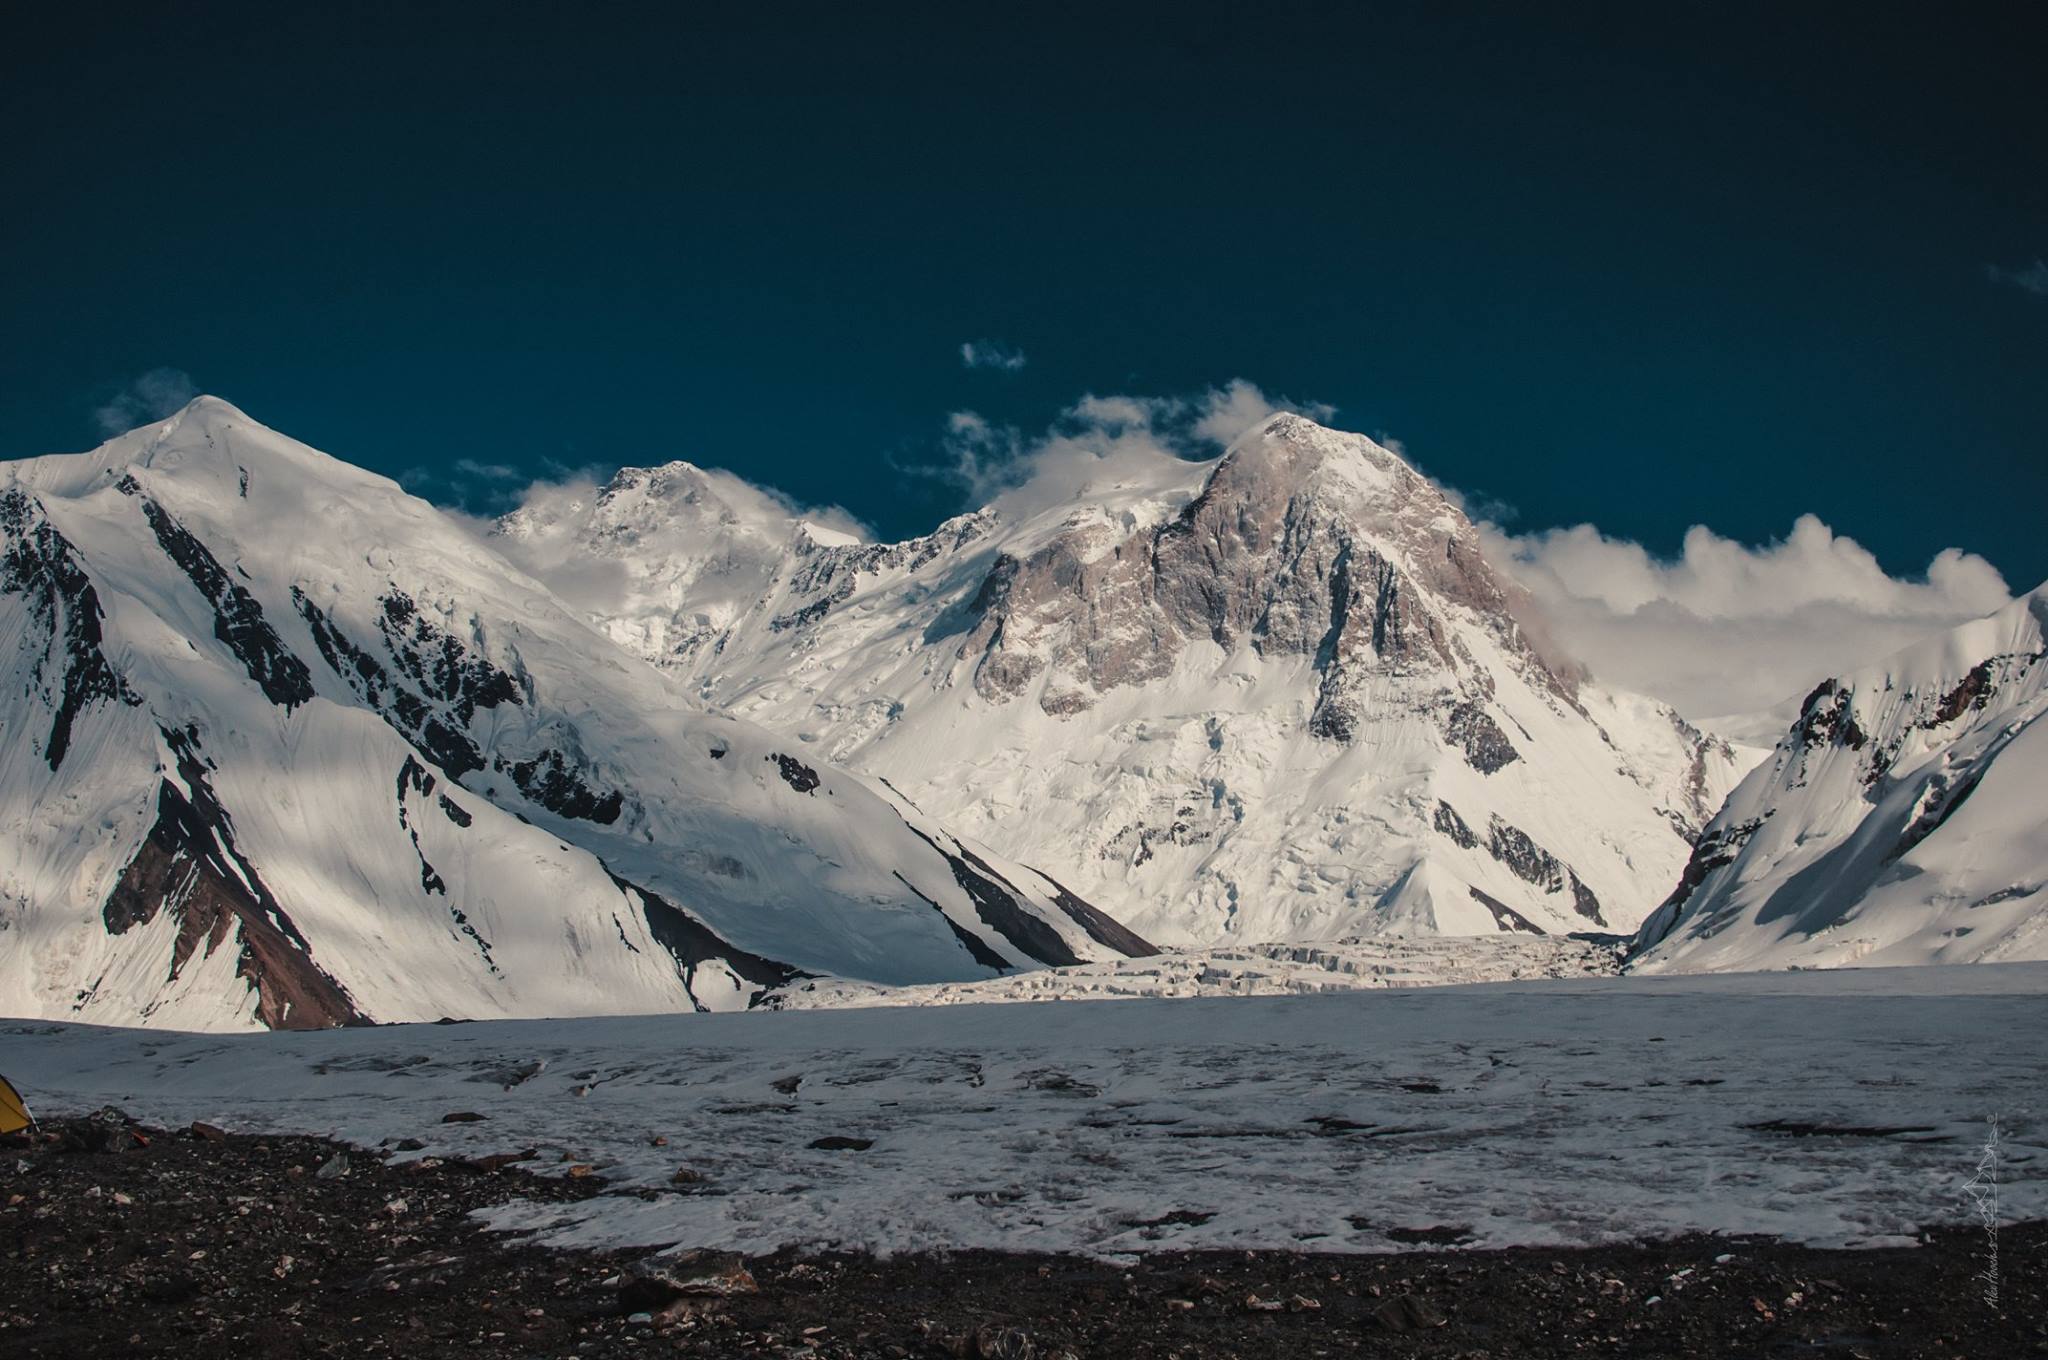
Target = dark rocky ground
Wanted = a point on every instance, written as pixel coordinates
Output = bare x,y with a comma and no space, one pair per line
120,1241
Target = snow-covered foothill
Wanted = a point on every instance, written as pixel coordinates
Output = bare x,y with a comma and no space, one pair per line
1902,820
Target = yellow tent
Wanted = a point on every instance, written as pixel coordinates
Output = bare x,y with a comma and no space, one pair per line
14,1113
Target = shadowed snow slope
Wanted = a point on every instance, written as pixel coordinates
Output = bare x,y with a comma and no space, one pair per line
1275,696
286,746
1902,820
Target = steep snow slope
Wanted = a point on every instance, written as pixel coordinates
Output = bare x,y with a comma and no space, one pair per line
1277,696
284,745
1902,820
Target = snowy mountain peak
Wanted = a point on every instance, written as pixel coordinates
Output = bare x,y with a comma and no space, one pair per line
1302,541
1277,695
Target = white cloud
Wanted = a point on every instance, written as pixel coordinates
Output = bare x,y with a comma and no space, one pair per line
157,394
1228,411
767,504
488,472
1098,439
473,487
1726,628
992,354
2032,278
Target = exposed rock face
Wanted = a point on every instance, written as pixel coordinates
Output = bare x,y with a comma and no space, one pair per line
1224,699
1533,864
1898,820
1479,737
65,663
237,618
694,946
1828,717
441,735
1293,548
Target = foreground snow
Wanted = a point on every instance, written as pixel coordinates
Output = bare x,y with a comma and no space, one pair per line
1557,1112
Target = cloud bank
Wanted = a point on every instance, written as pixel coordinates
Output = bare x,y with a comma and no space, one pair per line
2032,278
1725,628
1096,440
156,395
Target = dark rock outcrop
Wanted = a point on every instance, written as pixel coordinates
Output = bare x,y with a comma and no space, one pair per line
237,617
189,866
40,565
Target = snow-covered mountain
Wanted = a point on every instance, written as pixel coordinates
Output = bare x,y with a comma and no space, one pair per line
1275,696
1903,819
285,745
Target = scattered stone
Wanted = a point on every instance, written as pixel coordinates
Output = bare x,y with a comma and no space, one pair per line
658,1281
104,1131
462,1117
207,1132
840,1143
1408,1313
220,1255
685,1176
1004,1343
333,1169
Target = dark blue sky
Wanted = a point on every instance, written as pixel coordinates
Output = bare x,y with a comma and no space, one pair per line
1712,264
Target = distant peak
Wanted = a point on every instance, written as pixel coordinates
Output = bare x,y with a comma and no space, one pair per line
200,413
206,404
1284,423
662,479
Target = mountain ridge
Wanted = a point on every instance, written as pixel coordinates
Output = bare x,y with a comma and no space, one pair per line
302,750
1303,597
